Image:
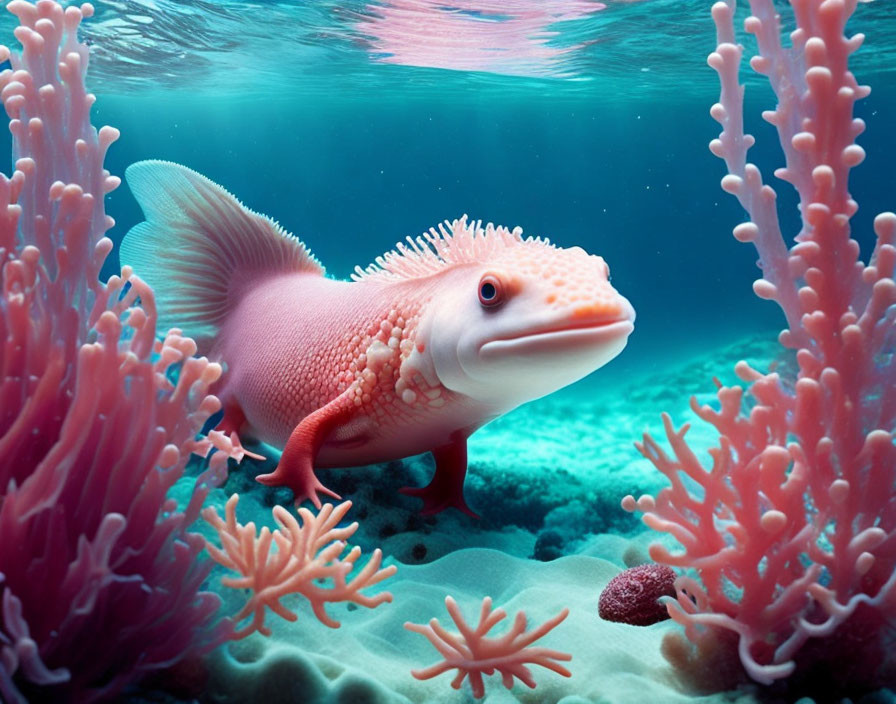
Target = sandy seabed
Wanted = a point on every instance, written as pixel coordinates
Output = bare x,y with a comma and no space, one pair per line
547,480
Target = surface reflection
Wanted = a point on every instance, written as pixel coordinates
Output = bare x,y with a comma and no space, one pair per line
508,37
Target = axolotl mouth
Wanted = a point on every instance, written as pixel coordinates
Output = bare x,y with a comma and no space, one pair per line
578,335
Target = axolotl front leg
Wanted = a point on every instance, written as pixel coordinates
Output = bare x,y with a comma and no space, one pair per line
296,467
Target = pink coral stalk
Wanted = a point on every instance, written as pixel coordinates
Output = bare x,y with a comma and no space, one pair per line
473,654
306,554
793,525
93,433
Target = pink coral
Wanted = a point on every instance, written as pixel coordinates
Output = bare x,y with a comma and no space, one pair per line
632,596
473,654
307,554
792,530
92,432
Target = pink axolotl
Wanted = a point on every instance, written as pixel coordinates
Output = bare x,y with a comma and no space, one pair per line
445,333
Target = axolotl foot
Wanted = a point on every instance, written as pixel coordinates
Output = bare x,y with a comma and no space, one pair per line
446,490
435,501
298,476
296,467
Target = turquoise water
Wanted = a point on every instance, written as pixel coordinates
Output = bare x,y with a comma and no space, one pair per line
592,131
289,106
653,49
628,178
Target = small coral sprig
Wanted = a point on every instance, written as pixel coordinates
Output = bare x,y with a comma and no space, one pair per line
306,554
473,654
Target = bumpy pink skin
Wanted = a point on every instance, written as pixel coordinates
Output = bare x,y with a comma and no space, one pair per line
632,596
281,373
409,356
377,358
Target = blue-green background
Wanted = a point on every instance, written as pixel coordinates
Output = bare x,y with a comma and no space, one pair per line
286,106
630,180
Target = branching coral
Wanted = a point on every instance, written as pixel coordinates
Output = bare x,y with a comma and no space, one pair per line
306,554
792,529
93,433
473,654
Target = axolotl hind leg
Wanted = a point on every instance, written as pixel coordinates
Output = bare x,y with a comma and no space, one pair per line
446,490
234,419
232,424
296,467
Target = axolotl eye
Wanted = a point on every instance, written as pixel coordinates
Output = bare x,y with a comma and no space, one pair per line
491,291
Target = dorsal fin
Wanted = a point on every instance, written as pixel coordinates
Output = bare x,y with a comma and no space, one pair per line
196,238
454,243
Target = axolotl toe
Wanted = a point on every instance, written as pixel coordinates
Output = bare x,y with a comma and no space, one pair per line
435,339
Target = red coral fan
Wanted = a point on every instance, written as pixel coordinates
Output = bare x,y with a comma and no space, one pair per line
632,596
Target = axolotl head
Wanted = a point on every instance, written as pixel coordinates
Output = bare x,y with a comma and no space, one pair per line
509,319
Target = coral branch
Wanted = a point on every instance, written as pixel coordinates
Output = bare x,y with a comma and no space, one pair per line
306,554
93,433
473,654
793,527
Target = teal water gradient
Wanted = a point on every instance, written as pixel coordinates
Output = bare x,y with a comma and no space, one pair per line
352,155
631,180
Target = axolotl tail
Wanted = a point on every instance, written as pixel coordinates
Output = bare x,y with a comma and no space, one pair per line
198,240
